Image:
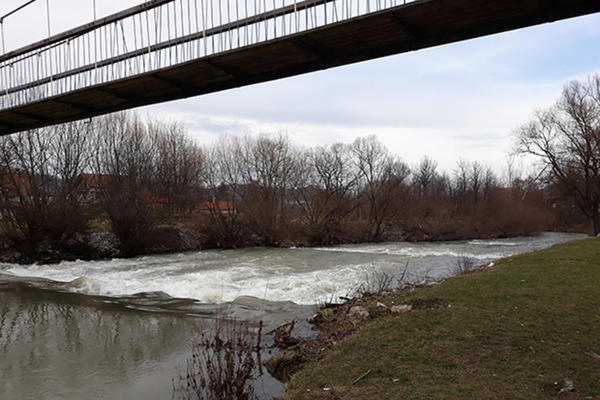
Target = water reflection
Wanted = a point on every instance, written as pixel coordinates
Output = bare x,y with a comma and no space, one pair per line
56,349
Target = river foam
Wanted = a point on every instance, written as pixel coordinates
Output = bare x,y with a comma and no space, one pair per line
303,275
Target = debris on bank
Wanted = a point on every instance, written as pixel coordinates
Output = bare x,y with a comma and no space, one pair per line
335,322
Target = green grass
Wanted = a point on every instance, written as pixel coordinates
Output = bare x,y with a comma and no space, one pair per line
514,331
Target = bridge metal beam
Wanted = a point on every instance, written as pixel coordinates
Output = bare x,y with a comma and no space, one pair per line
77,106
325,56
32,116
410,31
235,73
117,94
171,82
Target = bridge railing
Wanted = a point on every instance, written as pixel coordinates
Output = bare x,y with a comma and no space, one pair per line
160,34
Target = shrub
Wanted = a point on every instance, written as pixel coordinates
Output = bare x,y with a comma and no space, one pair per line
223,365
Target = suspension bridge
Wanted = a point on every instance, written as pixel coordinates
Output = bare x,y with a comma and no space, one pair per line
164,50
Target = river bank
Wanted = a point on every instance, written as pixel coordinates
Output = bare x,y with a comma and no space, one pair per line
124,328
524,328
104,245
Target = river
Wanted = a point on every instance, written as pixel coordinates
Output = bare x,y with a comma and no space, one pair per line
122,329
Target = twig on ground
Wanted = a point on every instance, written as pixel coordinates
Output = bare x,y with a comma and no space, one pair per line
361,377
404,273
595,356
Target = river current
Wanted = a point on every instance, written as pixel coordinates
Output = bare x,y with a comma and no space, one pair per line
122,329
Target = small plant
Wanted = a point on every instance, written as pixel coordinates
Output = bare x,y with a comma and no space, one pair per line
463,264
375,282
223,365
379,282
327,314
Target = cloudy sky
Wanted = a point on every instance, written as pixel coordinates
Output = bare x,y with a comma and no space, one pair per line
456,101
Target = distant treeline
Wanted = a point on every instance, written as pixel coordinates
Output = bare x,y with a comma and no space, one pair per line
145,180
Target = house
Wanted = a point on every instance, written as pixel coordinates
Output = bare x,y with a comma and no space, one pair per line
93,185
152,199
13,186
95,188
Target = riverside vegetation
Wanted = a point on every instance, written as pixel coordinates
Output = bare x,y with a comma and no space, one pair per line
120,186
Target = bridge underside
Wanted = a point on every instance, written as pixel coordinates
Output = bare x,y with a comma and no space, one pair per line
414,26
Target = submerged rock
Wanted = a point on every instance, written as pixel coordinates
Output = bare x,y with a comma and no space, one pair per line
273,314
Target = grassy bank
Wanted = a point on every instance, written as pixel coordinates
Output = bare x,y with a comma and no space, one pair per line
513,331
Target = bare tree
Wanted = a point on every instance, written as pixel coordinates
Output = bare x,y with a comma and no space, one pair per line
40,174
225,227
425,175
381,176
566,140
490,181
260,171
125,166
179,168
326,193
476,180
461,182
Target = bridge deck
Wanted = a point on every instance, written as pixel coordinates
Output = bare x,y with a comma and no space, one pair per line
422,24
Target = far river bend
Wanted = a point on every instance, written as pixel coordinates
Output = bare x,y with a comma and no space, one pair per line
121,329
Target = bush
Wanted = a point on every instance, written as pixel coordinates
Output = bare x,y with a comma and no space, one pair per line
223,365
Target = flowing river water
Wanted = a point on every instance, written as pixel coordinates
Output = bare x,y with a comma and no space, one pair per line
123,329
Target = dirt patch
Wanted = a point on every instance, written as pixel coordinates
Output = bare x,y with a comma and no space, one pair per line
427,304
283,365
334,322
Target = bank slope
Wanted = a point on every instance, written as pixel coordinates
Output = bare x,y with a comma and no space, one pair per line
517,330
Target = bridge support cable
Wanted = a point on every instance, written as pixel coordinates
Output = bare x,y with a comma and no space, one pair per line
3,18
2,33
48,16
154,35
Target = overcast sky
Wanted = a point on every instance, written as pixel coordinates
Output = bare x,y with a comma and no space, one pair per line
456,101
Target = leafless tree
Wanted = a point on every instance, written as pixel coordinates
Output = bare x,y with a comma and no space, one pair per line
260,170
124,165
382,176
565,139
490,181
425,175
461,182
475,180
179,169
224,227
40,181
326,194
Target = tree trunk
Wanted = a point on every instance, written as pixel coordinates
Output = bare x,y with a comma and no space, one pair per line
596,221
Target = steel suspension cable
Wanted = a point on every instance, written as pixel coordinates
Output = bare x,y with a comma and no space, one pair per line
3,43
16,10
48,16
2,18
